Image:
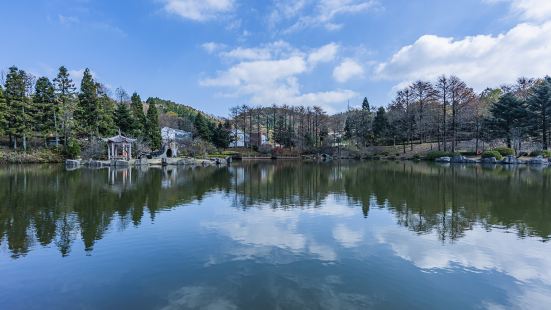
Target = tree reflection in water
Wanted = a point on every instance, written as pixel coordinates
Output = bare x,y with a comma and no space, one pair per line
45,205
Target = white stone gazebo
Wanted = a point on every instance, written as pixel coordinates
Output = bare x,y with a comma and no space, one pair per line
119,147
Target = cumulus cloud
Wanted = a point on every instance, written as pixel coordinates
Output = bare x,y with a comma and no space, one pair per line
270,74
522,51
275,49
532,10
198,10
325,53
347,70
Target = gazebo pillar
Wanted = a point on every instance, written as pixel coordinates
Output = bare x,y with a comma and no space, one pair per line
129,151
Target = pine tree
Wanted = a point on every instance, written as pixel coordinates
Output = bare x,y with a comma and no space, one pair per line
87,113
123,119
222,136
153,130
202,127
539,106
106,121
3,112
380,124
17,105
44,109
365,105
508,116
65,96
138,116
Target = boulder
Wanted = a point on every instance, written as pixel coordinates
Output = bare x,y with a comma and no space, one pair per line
120,163
510,160
489,160
538,161
72,163
444,159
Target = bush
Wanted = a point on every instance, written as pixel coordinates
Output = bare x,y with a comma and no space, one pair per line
73,149
433,155
265,149
544,153
492,153
504,151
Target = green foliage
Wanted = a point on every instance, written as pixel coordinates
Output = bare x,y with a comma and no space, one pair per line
153,130
138,115
87,112
505,151
544,153
106,120
508,115
44,108
202,128
72,150
492,153
18,117
222,136
380,124
433,155
539,107
3,112
123,119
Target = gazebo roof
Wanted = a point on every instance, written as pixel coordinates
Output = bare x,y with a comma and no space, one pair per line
119,139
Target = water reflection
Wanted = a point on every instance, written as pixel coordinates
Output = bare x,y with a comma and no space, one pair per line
46,205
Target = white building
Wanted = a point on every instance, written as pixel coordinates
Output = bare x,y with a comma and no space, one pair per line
170,134
171,138
242,139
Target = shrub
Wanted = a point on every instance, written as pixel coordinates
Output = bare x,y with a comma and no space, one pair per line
433,155
73,149
544,153
504,151
492,153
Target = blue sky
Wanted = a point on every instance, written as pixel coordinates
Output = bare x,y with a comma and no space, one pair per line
214,54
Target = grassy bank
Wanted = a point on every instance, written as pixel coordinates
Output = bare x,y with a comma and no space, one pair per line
38,156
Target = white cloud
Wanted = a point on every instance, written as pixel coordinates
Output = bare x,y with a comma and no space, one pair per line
212,47
531,10
325,53
198,10
316,13
347,237
248,53
270,74
479,60
347,70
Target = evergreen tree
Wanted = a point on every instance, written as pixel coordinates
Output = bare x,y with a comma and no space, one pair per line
365,105
123,119
3,112
106,121
539,105
202,127
153,129
222,136
508,117
65,96
87,113
44,110
17,105
138,115
380,124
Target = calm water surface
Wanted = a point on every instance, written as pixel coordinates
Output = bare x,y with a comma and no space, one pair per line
276,236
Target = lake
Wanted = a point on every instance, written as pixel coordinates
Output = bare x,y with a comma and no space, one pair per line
285,235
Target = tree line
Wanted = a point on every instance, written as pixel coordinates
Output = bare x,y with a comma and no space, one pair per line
446,112
44,110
